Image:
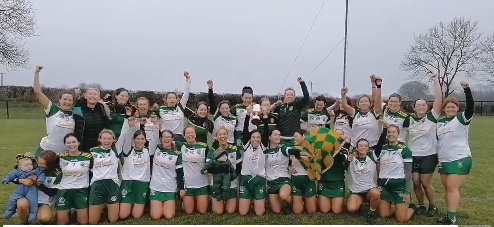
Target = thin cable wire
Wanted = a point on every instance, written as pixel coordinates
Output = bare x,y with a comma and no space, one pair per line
301,47
323,60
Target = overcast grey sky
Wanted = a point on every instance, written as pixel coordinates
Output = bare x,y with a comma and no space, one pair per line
146,45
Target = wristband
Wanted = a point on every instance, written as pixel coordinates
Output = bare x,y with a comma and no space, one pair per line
378,86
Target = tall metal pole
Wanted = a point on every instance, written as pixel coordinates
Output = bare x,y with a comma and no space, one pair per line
1,83
310,82
345,47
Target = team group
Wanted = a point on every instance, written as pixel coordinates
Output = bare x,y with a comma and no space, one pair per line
108,153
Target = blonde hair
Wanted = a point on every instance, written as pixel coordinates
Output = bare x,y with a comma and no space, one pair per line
220,128
107,131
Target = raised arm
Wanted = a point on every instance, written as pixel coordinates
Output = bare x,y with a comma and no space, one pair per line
246,132
185,95
438,93
155,140
382,138
124,142
265,133
469,107
348,109
376,94
306,97
43,100
212,103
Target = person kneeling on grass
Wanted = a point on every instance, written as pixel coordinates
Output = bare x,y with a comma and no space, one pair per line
362,168
391,159
24,169
223,173
136,168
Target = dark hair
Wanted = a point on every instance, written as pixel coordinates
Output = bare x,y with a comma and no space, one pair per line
201,103
271,132
190,126
114,102
138,133
360,140
171,133
416,100
169,93
337,110
51,159
247,90
66,93
321,98
69,135
224,102
395,95
394,126
301,132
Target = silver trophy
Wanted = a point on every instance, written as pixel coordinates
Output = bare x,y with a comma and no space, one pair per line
256,112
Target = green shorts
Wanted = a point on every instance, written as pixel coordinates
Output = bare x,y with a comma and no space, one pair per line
303,186
252,188
288,142
274,186
162,196
197,191
331,189
134,192
239,140
394,190
458,167
72,198
218,195
104,192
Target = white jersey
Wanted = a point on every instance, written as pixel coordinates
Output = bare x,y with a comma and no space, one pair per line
422,135
342,122
392,161
137,162
240,111
172,118
226,122
193,160
277,160
59,123
75,171
105,164
400,119
452,135
365,126
253,162
165,166
363,173
49,183
299,169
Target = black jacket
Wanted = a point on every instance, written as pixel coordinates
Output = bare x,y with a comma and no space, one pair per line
88,124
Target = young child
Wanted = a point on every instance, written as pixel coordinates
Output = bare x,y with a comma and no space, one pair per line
223,172
24,169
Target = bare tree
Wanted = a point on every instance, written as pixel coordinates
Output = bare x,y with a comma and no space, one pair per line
16,23
487,59
413,90
447,48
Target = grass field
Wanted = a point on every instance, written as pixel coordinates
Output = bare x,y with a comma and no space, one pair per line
23,131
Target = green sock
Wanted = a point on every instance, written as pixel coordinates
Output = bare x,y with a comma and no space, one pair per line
452,216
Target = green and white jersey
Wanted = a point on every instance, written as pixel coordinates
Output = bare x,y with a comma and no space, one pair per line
234,157
277,160
172,118
193,160
105,164
342,122
422,135
75,171
400,119
50,182
227,122
366,126
316,119
137,162
165,165
452,138
149,128
363,173
392,161
240,111
300,171
59,123
253,161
